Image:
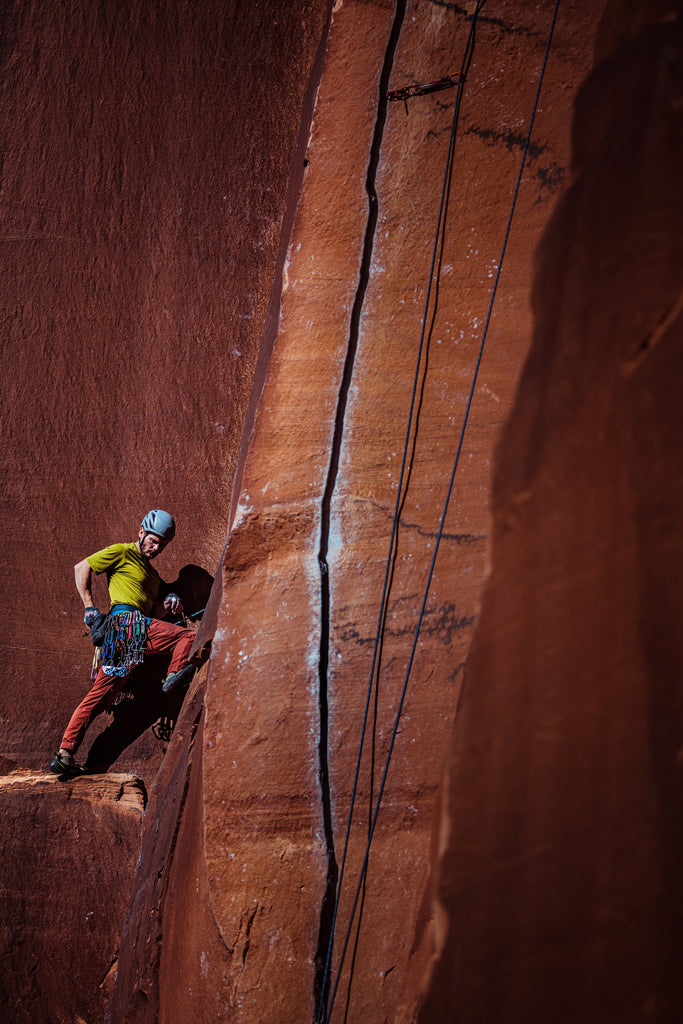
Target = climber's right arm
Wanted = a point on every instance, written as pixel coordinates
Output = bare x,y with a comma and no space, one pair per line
83,576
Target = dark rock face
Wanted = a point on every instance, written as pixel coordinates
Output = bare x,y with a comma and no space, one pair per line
559,887
169,908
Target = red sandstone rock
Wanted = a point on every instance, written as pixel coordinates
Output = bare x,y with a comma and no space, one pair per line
169,908
145,161
136,252
266,849
559,888
67,855
146,153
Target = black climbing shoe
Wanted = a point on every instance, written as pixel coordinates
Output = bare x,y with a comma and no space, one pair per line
64,764
176,679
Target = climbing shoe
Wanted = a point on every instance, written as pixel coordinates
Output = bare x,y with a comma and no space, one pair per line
176,679
64,764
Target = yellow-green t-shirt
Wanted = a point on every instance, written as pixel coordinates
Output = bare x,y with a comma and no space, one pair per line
131,580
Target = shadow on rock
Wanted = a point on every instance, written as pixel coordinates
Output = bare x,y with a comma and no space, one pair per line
193,587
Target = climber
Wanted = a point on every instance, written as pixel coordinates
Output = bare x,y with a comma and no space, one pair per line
130,630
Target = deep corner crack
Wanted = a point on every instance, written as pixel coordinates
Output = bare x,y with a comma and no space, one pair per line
328,906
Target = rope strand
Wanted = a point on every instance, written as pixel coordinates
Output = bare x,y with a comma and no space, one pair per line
323,1018
443,515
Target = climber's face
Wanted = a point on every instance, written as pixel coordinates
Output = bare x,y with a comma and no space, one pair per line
149,545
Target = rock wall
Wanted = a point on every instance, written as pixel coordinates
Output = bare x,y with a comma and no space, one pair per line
146,153
239,917
145,157
559,893
68,857
161,345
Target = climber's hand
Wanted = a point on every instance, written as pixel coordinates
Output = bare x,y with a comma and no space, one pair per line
90,615
173,604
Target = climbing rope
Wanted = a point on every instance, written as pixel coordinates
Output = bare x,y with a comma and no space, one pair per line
188,618
323,1015
326,1018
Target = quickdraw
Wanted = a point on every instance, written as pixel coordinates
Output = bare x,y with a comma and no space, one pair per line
408,91
124,644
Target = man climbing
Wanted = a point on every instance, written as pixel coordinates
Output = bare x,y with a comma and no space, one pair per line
130,630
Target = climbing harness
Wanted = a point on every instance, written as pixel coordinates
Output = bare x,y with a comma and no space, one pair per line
323,1016
124,643
408,91
123,646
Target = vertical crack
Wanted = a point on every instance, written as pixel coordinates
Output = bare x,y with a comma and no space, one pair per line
327,912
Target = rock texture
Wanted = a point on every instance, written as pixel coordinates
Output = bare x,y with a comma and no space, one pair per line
145,154
301,577
67,855
559,884
218,255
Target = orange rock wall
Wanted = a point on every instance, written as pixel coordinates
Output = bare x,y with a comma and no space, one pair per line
146,152
301,576
145,156
150,180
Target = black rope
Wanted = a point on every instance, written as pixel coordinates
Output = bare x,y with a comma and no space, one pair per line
445,510
320,1017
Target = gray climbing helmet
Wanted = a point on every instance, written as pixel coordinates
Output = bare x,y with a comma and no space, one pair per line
160,523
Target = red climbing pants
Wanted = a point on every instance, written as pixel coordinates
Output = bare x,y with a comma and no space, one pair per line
162,637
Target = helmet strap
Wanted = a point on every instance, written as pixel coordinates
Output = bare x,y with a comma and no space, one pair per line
139,542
